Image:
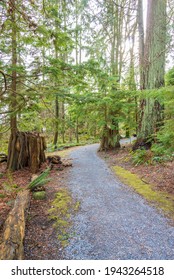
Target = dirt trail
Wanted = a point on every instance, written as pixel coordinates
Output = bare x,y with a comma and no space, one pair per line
113,222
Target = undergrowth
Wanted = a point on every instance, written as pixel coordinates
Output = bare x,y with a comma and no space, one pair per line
151,157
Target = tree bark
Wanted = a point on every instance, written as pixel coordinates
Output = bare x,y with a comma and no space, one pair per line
151,112
12,160
14,230
28,151
56,129
141,42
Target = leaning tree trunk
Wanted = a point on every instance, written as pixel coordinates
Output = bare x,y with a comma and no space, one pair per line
26,150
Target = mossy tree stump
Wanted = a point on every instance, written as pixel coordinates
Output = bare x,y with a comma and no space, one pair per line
26,149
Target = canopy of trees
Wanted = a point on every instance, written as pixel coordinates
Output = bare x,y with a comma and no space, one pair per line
84,70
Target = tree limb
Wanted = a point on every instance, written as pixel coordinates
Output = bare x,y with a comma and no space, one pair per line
5,82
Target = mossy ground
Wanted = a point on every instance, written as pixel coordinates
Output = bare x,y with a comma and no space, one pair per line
39,195
61,209
160,199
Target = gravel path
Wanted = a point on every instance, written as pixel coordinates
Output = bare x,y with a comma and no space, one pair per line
113,222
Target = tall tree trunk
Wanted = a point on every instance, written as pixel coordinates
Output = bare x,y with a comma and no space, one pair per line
56,127
153,68
56,123
63,121
24,149
77,130
141,42
110,136
12,152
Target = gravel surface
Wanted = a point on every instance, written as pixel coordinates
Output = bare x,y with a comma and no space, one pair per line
113,222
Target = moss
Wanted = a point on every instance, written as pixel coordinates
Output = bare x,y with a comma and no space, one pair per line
39,195
14,186
61,209
77,206
161,199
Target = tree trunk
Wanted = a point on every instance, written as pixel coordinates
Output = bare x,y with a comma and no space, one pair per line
110,136
110,139
26,150
63,121
141,42
77,130
151,112
12,160
56,129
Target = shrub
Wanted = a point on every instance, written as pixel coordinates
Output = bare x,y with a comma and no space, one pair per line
169,78
141,156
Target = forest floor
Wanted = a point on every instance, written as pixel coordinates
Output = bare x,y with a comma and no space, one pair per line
39,226
159,175
41,236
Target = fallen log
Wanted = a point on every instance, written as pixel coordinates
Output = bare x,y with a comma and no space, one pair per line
12,247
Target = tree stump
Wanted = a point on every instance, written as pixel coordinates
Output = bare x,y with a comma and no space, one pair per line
26,149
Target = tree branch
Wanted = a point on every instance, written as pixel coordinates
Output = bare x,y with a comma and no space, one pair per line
5,82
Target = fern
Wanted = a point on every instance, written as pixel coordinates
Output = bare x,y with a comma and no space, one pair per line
40,180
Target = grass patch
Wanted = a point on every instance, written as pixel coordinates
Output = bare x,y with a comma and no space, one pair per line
160,199
61,209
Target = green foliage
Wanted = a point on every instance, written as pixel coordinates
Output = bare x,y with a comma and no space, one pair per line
164,145
141,156
169,78
40,180
92,94
164,148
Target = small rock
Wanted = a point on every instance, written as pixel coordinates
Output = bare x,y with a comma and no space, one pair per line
43,227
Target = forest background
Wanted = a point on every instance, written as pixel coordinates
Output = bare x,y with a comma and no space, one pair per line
81,71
